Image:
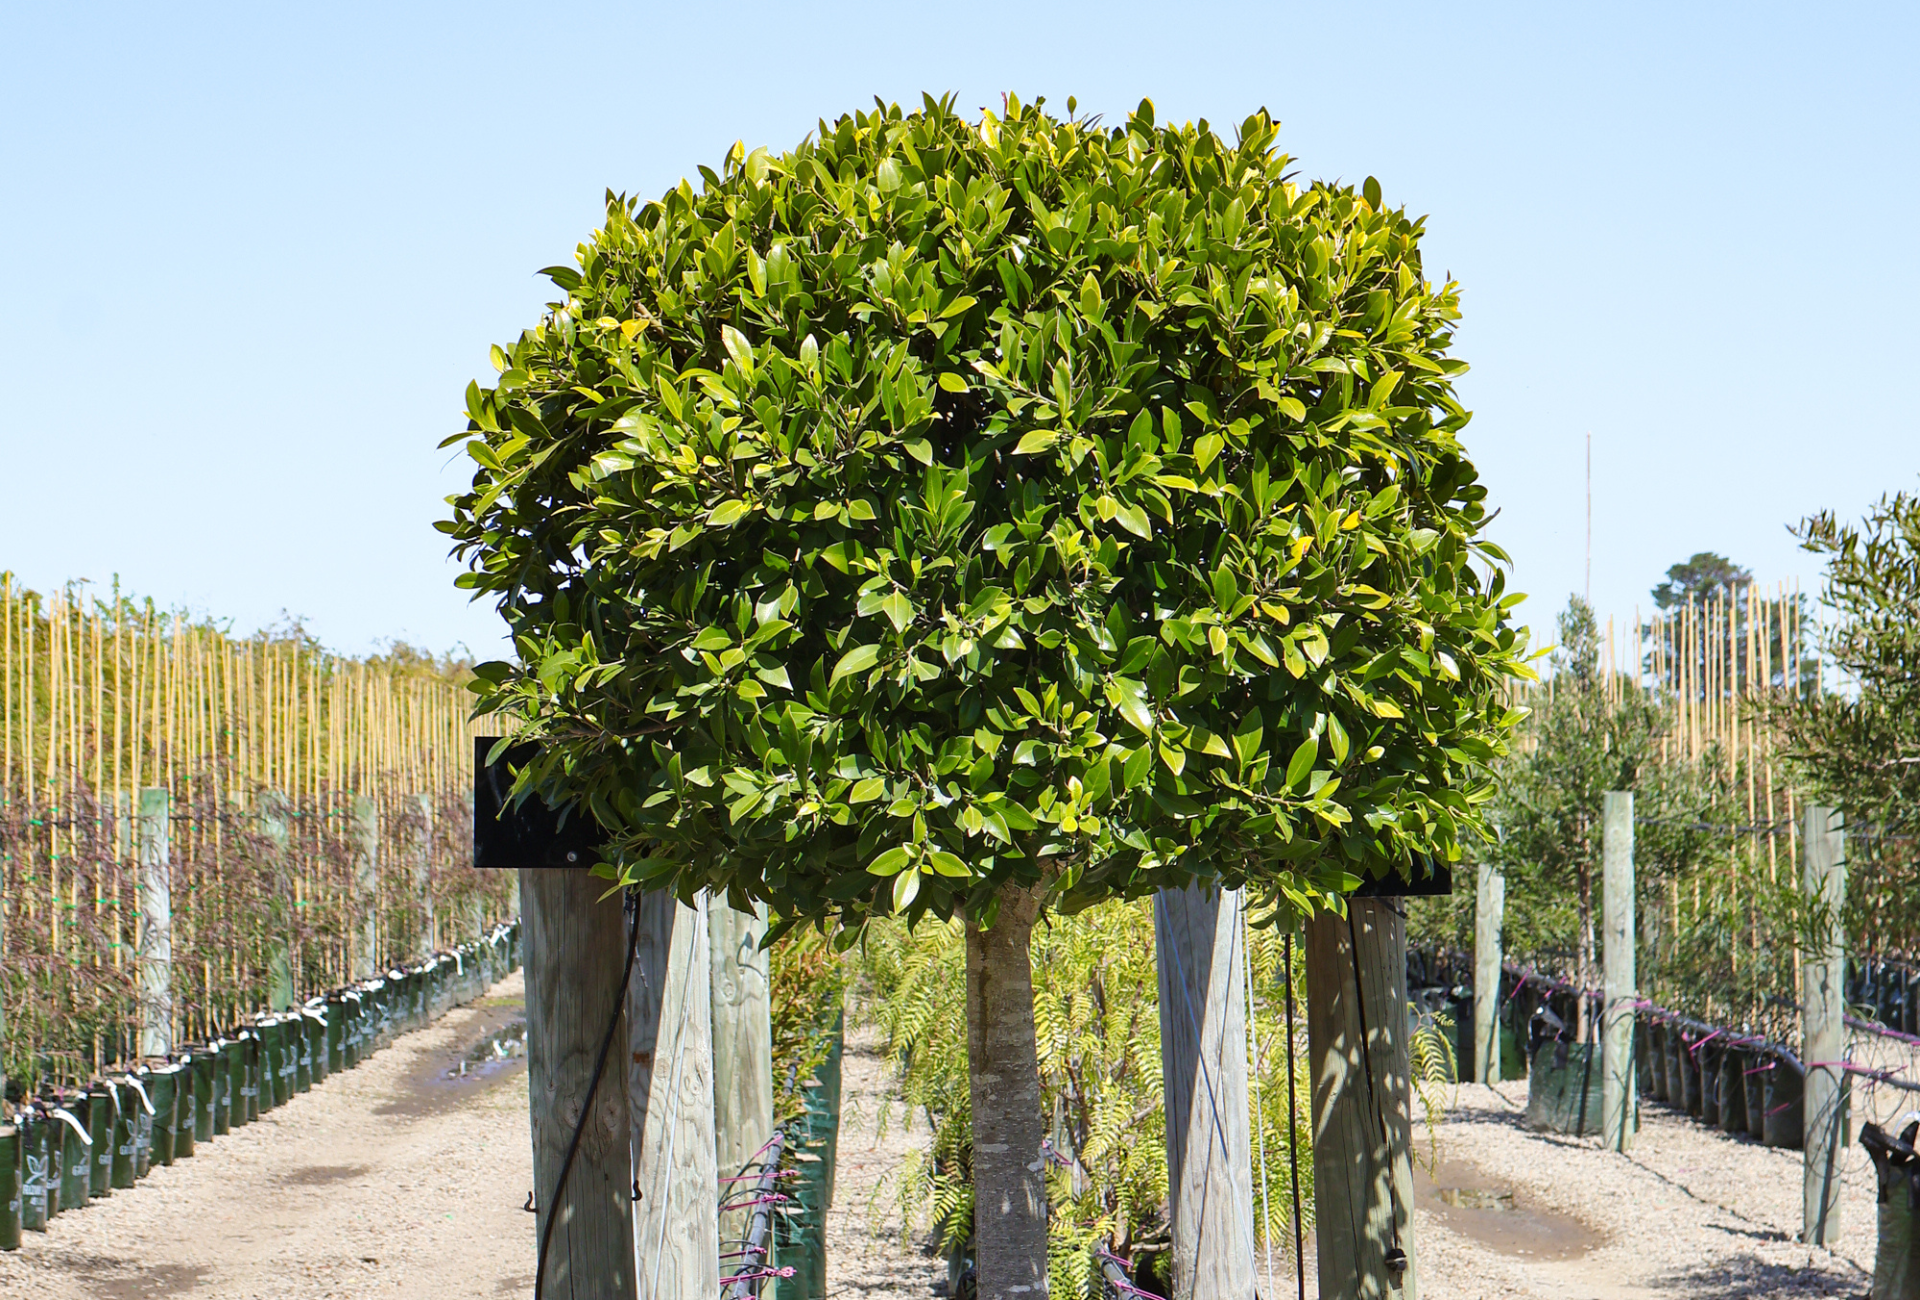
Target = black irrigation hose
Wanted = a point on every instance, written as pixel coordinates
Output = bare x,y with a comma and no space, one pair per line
599,1067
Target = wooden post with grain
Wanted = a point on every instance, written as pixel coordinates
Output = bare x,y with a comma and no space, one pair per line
273,825
1489,915
366,882
676,1222
156,925
1362,1125
1203,1063
1824,1029
429,938
574,947
740,990
1618,1096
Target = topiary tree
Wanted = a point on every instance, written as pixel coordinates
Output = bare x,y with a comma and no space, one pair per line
974,517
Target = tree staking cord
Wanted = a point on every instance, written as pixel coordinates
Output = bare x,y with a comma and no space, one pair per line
1396,1259
630,907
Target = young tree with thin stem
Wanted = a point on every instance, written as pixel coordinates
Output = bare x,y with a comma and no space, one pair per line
980,517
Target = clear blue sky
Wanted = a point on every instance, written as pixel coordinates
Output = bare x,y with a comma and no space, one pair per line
251,255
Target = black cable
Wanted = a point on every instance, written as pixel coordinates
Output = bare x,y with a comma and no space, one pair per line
1293,1136
1396,1259
606,1043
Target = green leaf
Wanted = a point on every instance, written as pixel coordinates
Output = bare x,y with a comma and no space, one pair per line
1134,520
867,791
948,864
727,513
1300,766
1337,736
898,609
906,888
952,383
856,660
891,862
738,348
1037,441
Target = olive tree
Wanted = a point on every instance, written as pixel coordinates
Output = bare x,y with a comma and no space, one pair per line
956,517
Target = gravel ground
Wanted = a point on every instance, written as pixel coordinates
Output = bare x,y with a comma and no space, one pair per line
386,1180
1688,1213
865,1255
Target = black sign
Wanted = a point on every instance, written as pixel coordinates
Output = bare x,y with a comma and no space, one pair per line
1437,883
531,834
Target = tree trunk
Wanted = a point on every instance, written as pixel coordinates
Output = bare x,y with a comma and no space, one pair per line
1009,1165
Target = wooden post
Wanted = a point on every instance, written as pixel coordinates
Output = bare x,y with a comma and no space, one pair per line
1203,1068
1362,1124
156,926
1617,1091
575,947
366,886
429,939
1489,915
1824,1030
273,825
676,1224
740,990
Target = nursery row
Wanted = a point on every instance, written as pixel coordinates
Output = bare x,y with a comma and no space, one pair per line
67,1146
308,816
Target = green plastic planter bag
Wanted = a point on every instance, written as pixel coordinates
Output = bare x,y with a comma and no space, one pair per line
224,1052
319,1023
336,1033
206,1062
353,1005
303,1051
161,1084
76,1152
36,1170
142,1081
10,1199
126,1129
183,1129
256,1057
268,1027
237,1081
102,1108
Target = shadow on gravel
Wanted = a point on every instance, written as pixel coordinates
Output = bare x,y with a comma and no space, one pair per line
323,1175
1746,1277
124,1279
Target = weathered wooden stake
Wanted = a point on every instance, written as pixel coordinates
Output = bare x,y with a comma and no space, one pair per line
676,1226
366,884
423,876
156,926
1203,1064
1824,1028
1489,915
742,1045
575,946
1618,1095
273,825
1362,1125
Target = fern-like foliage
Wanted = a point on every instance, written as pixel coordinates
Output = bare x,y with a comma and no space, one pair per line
1097,1026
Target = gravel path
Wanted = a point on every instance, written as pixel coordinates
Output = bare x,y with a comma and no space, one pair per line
386,1180
1688,1213
865,1256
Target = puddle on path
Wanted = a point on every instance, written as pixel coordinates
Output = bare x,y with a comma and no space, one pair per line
1482,1208
493,1048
